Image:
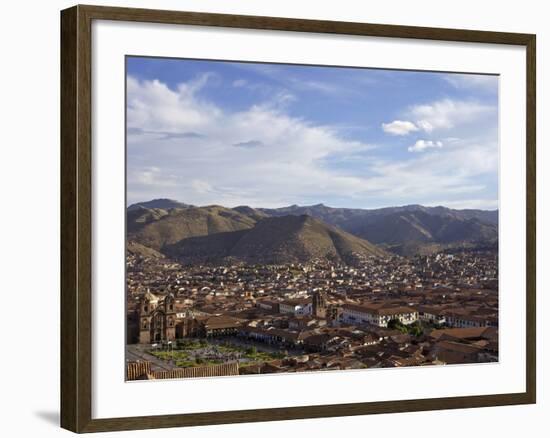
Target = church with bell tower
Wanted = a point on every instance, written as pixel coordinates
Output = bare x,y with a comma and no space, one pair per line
157,318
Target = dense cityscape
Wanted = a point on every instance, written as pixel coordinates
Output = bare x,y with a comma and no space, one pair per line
201,320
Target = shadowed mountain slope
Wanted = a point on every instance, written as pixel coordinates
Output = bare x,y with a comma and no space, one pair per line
156,228
277,240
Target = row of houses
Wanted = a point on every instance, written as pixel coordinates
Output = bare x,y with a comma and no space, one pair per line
459,318
380,314
377,314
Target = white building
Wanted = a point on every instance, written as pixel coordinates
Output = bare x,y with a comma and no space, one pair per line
365,314
463,320
299,306
432,315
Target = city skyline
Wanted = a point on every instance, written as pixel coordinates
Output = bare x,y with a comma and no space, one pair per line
266,135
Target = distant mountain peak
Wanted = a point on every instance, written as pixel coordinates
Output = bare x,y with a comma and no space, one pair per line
277,240
164,203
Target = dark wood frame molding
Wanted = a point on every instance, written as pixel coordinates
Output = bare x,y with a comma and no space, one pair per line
76,243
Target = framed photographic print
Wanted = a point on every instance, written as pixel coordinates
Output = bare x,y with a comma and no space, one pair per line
269,218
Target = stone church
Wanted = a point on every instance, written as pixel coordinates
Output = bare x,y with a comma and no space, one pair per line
157,319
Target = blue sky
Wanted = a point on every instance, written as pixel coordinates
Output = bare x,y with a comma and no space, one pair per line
270,135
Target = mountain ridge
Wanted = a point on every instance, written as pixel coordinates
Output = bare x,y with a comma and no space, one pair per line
404,230
162,203
405,224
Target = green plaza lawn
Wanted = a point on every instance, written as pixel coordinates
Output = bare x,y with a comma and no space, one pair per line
192,353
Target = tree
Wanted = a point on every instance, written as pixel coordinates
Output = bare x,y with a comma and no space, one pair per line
416,329
395,324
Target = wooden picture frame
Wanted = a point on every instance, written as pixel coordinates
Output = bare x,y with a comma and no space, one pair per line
76,217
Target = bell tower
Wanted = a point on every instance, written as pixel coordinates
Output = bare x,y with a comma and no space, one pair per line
147,306
319,305
170,312
145,320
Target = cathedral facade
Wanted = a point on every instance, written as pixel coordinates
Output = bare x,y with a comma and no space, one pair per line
157,319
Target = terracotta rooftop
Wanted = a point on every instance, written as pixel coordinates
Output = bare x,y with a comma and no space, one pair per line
466,333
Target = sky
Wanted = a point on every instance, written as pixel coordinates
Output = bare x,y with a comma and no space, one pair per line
273,135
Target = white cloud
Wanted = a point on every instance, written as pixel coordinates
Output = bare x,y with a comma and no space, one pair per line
239,83
455,172
444,114
399,127
152,106
425,125
448,113
277,157
422,145
484,203
297,84
151,176
261,156
488,83
201,186
318,86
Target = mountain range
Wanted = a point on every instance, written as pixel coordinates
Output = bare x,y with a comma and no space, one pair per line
216,234
407,229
